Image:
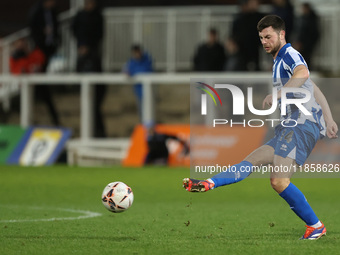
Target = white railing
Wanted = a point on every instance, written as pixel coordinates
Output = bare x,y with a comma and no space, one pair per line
170,34
96,151
87,81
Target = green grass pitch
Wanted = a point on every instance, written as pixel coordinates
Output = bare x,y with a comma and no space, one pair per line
244,218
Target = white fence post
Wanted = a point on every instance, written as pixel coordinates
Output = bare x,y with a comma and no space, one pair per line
86,115
205,23
147,102
137,26
5,57
26,99
171,42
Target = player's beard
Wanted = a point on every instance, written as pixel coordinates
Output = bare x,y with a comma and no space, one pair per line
276,48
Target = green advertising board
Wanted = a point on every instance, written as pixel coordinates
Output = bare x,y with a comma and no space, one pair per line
10,135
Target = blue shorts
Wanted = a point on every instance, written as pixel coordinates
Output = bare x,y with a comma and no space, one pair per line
295,142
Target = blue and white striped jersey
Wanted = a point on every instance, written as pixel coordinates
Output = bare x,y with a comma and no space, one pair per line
284,64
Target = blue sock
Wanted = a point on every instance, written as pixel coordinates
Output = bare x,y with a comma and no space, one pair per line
234,174
298,203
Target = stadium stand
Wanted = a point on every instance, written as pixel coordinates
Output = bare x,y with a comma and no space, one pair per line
171,34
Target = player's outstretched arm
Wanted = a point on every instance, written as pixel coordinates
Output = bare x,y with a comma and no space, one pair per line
332,127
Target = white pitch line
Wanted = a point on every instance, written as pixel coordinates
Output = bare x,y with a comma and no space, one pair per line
86,214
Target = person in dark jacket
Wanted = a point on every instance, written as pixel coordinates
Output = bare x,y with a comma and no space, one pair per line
44,27
245,34
285,10
87,27
210,56
308,33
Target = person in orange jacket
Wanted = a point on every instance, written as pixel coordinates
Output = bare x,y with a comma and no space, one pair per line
24,61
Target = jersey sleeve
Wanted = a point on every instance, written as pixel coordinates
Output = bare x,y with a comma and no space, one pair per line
292,60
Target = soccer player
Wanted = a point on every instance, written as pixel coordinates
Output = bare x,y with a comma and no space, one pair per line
291,145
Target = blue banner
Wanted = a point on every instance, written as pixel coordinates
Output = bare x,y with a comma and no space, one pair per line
39,146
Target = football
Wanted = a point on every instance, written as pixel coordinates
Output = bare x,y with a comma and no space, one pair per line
117,197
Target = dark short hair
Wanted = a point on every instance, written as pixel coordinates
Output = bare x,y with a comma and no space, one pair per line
273,21
213,31
136,47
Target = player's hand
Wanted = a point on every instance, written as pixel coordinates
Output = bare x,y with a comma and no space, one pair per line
267,101
332,129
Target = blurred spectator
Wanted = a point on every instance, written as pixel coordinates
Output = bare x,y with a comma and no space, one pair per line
210,56
233,62
87,27
308,33
89,62
158,152
245,33
23,60
140,62
285,10
44,26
